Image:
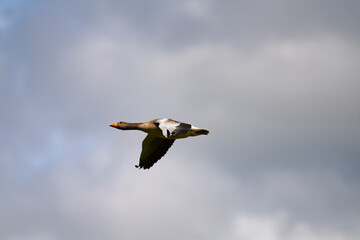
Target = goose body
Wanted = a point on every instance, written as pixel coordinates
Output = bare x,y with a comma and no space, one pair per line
161,135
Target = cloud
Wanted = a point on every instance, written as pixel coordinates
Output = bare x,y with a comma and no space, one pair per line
276,92
267,228
181,24
35,236
276,226
101,194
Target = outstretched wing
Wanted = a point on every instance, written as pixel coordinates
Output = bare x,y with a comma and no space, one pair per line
153,148
172,128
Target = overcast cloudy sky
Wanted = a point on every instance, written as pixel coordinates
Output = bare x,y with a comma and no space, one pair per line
276,82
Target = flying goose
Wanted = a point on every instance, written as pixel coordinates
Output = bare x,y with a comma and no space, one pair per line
161,135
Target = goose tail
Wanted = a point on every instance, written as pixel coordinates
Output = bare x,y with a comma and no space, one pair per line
200,131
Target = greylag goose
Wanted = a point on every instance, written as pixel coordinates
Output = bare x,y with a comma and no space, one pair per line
161,135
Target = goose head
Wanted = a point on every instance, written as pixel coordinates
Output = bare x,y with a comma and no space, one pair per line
120,125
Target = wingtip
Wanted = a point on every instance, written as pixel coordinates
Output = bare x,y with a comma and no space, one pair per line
140,167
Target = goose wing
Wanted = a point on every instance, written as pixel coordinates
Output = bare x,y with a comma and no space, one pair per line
153,148
172,128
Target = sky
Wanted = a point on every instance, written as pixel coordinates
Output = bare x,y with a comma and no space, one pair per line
276,83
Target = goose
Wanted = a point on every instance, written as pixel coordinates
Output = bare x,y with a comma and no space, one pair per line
161,134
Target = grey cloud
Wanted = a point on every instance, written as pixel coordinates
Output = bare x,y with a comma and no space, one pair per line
278,96
239,23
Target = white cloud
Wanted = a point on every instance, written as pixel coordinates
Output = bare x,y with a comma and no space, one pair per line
305,231
161,203
277,227
260,228
321,69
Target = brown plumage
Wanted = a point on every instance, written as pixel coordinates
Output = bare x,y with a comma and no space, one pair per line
161,135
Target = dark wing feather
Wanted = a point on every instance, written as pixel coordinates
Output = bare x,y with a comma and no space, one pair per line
153,148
